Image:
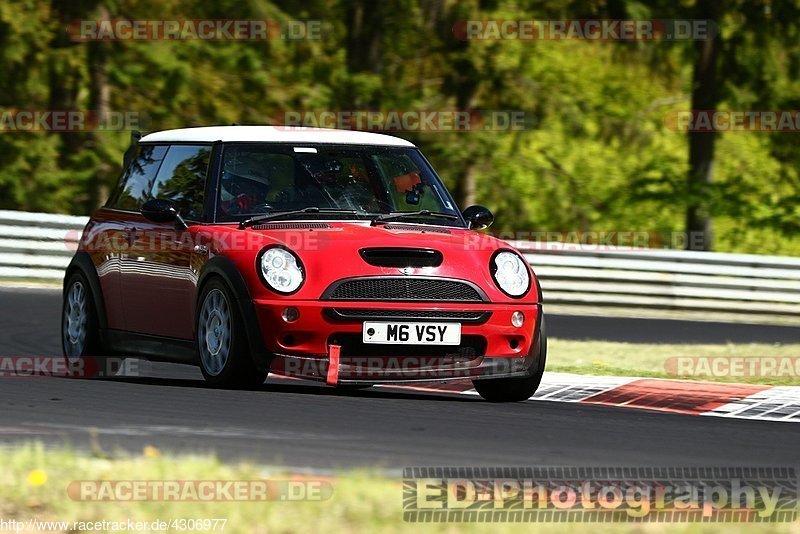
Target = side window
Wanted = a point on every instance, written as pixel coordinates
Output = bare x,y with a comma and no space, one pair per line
134,184
182,179
405,183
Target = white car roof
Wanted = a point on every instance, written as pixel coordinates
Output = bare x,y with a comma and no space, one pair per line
273,134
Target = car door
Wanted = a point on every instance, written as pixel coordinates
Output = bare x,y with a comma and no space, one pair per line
112,236
159,279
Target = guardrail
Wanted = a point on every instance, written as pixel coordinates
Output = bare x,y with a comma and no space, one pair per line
36,246
709,283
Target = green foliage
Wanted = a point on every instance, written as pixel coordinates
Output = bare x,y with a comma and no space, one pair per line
596,153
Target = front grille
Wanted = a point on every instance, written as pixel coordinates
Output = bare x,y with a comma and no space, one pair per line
471,347
404,288
358,314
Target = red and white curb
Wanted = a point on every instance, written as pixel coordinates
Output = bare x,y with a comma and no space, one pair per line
716,399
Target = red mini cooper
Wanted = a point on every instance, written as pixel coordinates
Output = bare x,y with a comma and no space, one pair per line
322,254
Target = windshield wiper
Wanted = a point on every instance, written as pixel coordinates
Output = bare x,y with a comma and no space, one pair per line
395,215
288,213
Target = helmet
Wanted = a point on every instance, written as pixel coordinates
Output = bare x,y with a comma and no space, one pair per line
248,169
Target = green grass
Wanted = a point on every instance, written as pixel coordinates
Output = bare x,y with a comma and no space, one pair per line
33,484
650,360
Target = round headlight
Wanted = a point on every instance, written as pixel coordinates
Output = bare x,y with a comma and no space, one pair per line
511,273
281,270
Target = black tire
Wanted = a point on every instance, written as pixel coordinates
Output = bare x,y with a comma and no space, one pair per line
517,389
236,369
80,333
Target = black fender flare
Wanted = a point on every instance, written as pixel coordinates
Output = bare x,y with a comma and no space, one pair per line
83,263
224,268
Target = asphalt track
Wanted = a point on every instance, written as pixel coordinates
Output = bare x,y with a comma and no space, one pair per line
303,424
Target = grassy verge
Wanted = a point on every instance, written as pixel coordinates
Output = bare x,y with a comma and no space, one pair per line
653,360
677,314
33,484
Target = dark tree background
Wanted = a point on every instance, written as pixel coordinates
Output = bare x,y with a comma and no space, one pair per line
596,153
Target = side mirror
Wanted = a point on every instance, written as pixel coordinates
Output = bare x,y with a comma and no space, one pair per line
161,211
478,217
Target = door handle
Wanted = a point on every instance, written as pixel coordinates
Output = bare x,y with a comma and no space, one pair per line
130,234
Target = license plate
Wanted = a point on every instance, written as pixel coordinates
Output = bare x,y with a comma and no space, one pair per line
412,333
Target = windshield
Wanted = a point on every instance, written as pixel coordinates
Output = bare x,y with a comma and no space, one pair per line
259,179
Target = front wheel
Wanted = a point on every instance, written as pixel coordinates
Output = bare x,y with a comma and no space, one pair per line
517,389
222,341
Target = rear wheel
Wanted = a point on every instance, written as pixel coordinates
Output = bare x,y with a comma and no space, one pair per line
517,389
222,341
80,336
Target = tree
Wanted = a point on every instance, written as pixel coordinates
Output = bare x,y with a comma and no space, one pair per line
705,97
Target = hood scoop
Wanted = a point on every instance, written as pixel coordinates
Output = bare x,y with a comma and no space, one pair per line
293,226
414,228
401,257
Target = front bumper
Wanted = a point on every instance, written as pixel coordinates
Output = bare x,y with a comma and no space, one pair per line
324,342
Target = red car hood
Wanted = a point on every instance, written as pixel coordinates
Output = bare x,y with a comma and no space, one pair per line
330,252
